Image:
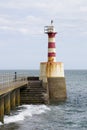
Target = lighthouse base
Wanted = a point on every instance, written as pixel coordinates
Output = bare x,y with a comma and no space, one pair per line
57,89
51,69
52,74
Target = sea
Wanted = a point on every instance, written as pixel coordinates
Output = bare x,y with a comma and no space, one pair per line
68,115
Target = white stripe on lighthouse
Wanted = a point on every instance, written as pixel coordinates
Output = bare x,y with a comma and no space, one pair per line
51,39
50,50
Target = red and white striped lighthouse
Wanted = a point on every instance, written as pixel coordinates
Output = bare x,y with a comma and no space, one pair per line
50,30
51,68
52,72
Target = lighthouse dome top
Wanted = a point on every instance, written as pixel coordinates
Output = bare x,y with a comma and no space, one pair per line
49,29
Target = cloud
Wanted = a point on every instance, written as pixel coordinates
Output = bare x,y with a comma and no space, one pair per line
83,9
26,25
53,6
22,4
83,33
66,14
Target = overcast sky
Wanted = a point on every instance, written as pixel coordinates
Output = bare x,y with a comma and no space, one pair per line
23,44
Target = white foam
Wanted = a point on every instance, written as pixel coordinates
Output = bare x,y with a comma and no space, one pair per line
1,123
26,111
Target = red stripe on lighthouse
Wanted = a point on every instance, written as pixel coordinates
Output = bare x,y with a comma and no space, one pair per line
52,54
51,35
51,45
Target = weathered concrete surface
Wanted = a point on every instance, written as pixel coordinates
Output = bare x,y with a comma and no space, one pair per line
33,93
17,99
57,89
2,109
51,69
12,99
12,86
7,104
46,94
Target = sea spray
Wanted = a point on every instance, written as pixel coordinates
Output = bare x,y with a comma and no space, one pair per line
26,111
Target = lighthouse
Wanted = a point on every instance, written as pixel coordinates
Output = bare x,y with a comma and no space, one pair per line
51,71
50,31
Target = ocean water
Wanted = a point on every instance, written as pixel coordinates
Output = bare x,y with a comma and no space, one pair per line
69,115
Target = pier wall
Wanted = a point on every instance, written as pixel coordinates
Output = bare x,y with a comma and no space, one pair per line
57,89
8,102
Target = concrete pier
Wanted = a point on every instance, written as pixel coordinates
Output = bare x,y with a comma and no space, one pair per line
34,92
10,96
17,100
2,109
12,100
7,104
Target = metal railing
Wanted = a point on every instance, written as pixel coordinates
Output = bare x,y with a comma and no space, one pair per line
11,79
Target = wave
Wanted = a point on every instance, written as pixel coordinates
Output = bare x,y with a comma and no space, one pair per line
25,111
